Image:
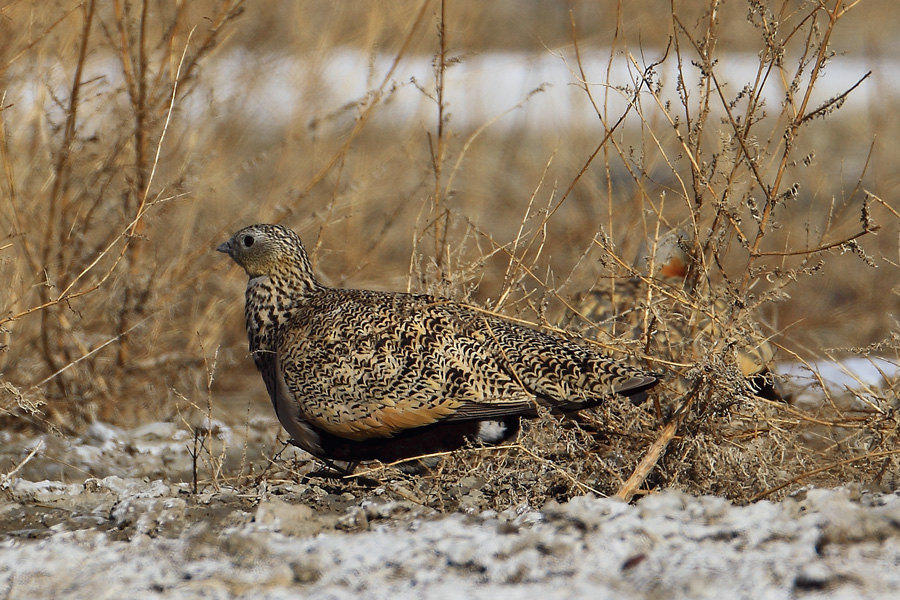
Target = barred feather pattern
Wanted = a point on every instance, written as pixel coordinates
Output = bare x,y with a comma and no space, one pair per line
359,375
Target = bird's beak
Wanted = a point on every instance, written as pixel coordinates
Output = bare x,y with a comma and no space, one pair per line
224,247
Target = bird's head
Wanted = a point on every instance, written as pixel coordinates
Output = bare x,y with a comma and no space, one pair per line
268,250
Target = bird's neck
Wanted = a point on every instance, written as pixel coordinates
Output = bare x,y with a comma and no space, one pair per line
271,302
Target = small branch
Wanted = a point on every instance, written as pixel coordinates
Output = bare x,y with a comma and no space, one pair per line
610,131
89,354
822,248
822,110
790,135
5,479
654,452
146,191
884,204
373,103
828,467
437,153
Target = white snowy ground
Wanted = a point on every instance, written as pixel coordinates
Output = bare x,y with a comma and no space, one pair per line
131,534
821,543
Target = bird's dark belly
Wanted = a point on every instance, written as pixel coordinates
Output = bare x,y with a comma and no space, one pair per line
440,437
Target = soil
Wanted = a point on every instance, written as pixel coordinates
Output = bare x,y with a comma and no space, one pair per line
115,513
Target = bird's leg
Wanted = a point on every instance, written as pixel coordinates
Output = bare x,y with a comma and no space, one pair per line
333,470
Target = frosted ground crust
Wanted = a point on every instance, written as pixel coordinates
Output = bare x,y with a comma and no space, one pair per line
137,538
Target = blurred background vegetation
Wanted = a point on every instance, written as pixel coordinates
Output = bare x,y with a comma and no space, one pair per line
138,135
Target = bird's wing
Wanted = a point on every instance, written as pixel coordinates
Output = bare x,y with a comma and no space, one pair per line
379,366
565,375
372,365
286,410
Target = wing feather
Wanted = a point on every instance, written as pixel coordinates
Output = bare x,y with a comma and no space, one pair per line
364,365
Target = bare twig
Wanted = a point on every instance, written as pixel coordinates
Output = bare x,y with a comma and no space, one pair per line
7,477
807,474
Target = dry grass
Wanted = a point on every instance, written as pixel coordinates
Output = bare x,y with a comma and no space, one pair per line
129,151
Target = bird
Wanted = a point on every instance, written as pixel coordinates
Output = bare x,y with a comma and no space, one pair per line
674,321
359,375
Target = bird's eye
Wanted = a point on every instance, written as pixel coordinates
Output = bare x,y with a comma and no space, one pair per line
248,241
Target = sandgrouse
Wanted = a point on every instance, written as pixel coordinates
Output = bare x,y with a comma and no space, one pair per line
358,375
681,322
